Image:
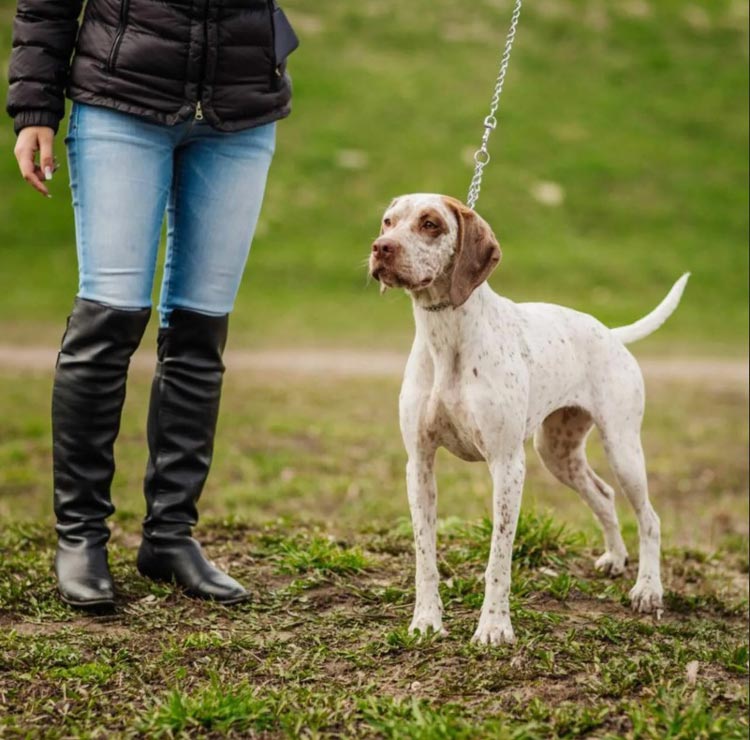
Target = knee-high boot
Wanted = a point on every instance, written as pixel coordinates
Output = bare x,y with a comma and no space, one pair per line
181,425
87,400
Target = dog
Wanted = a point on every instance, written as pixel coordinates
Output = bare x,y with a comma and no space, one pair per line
484,374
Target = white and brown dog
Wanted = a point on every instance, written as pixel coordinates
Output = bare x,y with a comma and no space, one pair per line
484,374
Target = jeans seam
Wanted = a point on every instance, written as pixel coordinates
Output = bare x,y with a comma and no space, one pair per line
165,300
75,187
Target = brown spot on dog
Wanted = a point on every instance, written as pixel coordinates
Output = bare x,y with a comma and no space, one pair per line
430,223
456,364
477,252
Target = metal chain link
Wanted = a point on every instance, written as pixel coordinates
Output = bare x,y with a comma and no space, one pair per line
482,155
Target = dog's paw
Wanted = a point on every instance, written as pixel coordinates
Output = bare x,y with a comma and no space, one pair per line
646,596
612,564
427,622
494,632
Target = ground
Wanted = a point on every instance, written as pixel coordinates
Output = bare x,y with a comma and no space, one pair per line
306,505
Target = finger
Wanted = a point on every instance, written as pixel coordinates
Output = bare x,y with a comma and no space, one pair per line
46,155
36,181
40,173
30,172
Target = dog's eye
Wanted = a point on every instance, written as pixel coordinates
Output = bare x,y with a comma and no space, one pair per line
429,225
386,222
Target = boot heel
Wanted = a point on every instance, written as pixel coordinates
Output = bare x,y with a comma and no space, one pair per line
150,566
83,578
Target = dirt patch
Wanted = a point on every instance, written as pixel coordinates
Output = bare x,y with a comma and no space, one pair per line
321,653
108,626
711,371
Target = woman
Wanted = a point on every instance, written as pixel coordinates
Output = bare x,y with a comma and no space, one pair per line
174,108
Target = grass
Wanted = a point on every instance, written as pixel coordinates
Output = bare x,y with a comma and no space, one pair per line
333,659
326,449
319,554
214,708
636,110
306,506
539,540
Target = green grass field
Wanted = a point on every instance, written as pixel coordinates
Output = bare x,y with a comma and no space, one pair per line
306,504
330,449
323,650
637,110
635,114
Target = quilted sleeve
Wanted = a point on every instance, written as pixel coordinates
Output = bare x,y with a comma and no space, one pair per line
44,34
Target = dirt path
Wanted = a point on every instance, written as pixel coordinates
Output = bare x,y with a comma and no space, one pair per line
713,371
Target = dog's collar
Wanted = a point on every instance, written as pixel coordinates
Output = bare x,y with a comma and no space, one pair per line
438,306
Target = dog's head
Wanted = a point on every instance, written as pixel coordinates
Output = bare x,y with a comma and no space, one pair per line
435,243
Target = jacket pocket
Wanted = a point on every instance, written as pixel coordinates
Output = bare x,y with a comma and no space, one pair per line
285,40
115,49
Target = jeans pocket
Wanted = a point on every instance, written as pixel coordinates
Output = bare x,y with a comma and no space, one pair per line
72,124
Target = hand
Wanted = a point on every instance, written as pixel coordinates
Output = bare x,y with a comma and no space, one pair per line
33,139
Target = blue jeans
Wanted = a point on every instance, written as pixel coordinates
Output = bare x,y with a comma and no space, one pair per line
125,172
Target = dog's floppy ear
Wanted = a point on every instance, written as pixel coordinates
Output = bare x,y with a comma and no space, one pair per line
477,252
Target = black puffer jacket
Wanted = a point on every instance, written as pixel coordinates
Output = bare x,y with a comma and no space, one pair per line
153,58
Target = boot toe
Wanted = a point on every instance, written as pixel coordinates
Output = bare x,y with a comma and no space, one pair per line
182,562
91,593
222,589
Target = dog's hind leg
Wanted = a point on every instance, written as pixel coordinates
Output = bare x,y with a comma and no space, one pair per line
561,445
625,453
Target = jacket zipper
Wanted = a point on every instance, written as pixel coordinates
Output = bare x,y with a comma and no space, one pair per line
276,73
112,58
198,103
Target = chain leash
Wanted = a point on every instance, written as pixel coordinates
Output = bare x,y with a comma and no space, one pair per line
482,155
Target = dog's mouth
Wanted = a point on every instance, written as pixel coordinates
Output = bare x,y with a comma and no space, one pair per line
392,279
424,283
389,278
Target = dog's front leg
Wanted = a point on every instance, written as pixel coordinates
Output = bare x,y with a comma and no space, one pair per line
507,482
422,490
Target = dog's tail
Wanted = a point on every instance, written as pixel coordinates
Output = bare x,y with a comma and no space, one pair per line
651,322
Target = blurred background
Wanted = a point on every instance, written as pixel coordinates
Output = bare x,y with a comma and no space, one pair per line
621,161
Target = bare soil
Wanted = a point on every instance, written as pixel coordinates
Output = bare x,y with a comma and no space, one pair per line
710,371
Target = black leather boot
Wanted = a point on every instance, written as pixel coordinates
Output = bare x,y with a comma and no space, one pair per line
87,399
181,426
